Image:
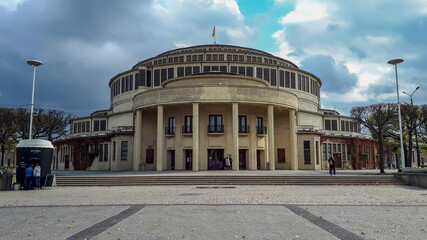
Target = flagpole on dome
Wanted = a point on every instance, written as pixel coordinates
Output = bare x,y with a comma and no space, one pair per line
213,35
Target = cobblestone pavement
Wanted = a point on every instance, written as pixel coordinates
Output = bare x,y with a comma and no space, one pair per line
215,212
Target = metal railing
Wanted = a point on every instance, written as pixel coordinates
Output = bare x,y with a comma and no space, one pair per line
187,129
170,130
216,128
261,130
243,129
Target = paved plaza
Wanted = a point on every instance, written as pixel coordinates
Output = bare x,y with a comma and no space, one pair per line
215,212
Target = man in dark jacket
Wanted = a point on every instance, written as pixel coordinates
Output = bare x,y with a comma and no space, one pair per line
331,162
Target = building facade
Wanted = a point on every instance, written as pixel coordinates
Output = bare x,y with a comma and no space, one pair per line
188,108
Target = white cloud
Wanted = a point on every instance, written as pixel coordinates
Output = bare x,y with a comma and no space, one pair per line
11,5
309,10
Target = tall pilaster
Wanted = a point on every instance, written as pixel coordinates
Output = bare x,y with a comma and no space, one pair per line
293,139
160,138
235,138
196,137
137,138
270,133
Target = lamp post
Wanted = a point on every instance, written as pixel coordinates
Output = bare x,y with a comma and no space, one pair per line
416,134
402,154
35,64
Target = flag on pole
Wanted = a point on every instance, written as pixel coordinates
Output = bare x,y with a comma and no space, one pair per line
213,32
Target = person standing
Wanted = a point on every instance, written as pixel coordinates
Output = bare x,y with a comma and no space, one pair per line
37,172
331,166
28,177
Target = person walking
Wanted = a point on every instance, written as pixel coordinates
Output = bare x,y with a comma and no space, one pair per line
36,173
331,162
227,163
28,177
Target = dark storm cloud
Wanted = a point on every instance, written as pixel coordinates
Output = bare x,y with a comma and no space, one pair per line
85,43
335,76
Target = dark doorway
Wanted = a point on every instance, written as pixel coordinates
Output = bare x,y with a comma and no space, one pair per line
171,158
67,162
149,153
258,159
188,159
215,159
242,159
338,162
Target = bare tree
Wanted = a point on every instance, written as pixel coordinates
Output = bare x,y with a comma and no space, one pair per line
377,118
6,132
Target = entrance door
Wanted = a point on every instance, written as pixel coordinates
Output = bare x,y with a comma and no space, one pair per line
67,162
258,159
242,159
338,162
215,159
171,159
188,159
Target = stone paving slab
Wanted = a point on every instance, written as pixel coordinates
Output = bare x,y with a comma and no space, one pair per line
215,222
300,195
50,222
377,222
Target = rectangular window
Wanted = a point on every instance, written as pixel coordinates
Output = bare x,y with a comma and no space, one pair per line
103,125
208,57
267,74
164,75
243,125
287,79
303,83
317,152
157,77
344,156
215,68
327,124
293,80
200,57
105,152
299,81
188,71
273,77
221,57
351,126
96,125
342,125
114,151
180,72
196,69
215,124
124,150
249,71
131,82
334,148
194,58
259,72
334,125
242,71
188,58
282,78
229,57
307,85
170,73
171,126
79,125
307,159
206,68
329,150
223,68
260,129
148,78
233,69
88,126
281,156
188,124
123,84
83,127
75,129
141,80
347,126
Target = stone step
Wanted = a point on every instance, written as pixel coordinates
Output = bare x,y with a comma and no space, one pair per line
225,180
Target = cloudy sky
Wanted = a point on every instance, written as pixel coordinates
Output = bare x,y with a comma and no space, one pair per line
83,43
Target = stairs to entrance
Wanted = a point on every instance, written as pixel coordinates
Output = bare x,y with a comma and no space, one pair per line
149,180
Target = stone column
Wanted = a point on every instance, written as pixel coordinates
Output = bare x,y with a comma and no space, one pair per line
235,136
270,133
293,139
196,136
137,138
160,138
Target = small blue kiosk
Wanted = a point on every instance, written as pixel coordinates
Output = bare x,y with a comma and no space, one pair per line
32,151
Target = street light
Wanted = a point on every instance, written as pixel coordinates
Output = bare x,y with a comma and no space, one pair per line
402,154
416,134
34,63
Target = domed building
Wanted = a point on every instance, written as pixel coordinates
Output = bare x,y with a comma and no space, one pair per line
189,108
